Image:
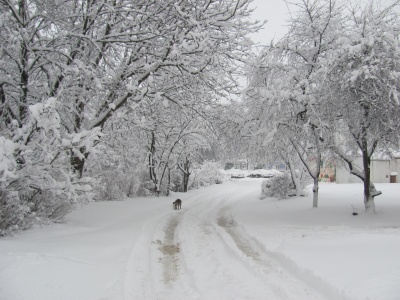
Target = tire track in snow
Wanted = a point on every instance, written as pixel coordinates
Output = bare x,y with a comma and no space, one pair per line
212,264
272,264
229,225
141,272
201,252
170,250
154,271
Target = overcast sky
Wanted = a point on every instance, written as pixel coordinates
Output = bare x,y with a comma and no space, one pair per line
276,12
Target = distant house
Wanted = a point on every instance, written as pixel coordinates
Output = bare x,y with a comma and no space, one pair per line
240,164
280,166
328,171
382,171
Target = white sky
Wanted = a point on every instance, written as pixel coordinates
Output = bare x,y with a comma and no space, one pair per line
276,13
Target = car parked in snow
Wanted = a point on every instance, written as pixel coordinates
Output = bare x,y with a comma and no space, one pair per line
238,175
263,173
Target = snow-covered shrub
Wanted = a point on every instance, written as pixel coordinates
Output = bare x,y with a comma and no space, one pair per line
118,183
112,186
14,214
37,183
146,188
278,186
143,186
209,173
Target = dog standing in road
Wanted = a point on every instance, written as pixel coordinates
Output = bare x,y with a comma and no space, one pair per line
177,204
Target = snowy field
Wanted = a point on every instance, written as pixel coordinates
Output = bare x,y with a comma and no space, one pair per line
225,243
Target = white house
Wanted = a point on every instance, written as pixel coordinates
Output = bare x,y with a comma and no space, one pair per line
382,171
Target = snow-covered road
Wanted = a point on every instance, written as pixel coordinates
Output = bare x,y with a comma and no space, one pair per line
201,252
223,244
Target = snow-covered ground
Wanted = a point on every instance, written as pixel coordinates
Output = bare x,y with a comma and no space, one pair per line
225,243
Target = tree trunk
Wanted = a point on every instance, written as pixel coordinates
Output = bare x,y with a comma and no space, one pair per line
318,166
169,182
151,166
24,81
78,163
295,179
367,151
314,173
370,191
368,200
185,181
186,174
315,192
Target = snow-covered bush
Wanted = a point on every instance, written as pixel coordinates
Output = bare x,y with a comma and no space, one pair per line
14,213
278,186
118,183
112,186
140,183
209,173
146,188
37,183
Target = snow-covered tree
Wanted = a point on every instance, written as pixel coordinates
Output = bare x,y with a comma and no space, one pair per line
100,57
171,134
36,186
283,96
362,86
100,60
